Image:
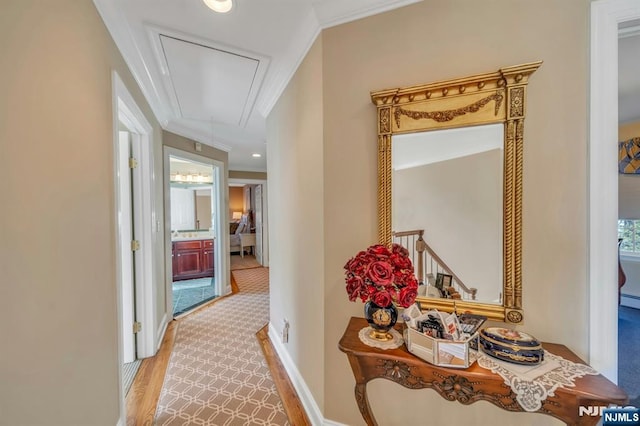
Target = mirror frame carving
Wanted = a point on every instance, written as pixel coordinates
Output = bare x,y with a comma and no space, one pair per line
497,97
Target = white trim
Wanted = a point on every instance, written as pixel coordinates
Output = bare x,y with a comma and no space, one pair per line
630,301
221,245
120,422
629,31
306,397
284,69
328,422
630,256
199,135
332,13
145,232
126,110
603,181
161,330
265,214
122,35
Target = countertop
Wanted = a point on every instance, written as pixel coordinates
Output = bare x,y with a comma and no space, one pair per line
191,235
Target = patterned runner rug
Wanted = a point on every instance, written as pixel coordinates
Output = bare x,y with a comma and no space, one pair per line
217,374
246,262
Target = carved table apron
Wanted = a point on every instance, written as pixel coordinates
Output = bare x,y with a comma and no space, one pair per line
469,385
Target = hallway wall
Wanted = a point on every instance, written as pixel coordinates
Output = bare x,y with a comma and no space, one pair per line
57,251
296,219
430,41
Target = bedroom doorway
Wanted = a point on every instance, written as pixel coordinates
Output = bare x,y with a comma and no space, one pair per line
195,273
249,224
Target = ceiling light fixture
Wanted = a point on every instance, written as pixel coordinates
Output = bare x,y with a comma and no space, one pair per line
220,6
256,155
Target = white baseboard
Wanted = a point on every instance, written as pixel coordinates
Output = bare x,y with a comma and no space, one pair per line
630,301
160,332
306,397
332,423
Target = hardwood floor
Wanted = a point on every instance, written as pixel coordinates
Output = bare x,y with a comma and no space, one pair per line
292,405
144,394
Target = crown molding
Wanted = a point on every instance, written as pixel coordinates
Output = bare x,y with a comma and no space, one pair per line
122,35
284,69
197,135
335,12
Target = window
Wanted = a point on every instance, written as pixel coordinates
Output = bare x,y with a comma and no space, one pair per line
629,231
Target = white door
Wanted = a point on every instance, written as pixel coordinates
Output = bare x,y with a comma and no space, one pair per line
125,236
258,220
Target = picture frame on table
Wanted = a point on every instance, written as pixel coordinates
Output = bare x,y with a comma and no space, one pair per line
443,281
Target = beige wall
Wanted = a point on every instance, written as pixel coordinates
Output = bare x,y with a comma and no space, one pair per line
188,145
430,41
57,251
235,174
236,199
459,205
296,207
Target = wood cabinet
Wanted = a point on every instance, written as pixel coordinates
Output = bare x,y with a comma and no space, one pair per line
207,257
192,259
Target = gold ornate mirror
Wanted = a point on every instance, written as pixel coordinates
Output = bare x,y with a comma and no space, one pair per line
450,164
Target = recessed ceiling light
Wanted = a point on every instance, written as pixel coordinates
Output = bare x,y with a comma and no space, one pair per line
256,155
220,6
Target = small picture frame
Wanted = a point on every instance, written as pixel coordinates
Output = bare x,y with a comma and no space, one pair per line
443,281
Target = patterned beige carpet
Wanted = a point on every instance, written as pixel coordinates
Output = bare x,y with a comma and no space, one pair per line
217,374
247,262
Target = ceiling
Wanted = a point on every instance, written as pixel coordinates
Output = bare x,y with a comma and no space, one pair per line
214,77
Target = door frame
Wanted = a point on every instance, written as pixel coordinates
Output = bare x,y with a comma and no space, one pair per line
126,110
606,15
219,202
265,214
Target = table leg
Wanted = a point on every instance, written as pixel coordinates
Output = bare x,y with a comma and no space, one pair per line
363,404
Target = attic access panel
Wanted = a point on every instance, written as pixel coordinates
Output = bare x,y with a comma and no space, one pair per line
210,83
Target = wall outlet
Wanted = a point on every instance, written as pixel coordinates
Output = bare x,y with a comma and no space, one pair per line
285,331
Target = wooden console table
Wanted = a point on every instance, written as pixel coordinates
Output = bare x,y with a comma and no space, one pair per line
469,385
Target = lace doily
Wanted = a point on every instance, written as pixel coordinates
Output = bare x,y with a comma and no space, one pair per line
395,342
533,384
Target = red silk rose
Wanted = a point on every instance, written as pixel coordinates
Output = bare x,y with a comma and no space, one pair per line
382,298
407,296
381,275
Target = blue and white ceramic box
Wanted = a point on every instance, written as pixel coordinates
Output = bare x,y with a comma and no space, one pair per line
511,346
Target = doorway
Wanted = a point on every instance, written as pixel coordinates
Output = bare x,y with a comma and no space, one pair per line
196,273
629,212
249,246
135,240
606,16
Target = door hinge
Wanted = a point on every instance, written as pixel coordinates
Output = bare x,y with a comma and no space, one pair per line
133,163
137,327
135,245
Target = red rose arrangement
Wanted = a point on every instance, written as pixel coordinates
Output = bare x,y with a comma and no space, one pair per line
382,276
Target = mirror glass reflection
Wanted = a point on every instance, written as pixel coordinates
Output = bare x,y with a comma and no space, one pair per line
191,195
449,183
